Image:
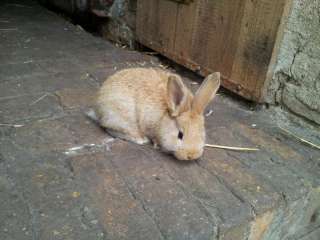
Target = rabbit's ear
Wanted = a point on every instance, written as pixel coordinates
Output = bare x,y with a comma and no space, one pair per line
206,92
177,96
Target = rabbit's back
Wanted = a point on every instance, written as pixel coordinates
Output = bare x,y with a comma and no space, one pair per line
133,98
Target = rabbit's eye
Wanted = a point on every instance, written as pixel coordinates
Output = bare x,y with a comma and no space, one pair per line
180,135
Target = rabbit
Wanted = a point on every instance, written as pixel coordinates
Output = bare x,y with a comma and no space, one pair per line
150,104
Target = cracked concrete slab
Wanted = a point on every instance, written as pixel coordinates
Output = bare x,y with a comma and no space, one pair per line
63,177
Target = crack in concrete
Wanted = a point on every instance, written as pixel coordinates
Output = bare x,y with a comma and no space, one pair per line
33,221
201,205
93,79
22,198
231,190
59,100
297,52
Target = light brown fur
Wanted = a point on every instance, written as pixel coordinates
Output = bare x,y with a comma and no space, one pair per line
142,104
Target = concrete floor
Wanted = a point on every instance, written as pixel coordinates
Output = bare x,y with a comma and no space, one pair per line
62,177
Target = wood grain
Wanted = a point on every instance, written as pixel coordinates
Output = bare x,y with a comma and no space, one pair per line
156,25
235,37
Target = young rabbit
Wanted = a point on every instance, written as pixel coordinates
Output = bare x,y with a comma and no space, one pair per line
143,104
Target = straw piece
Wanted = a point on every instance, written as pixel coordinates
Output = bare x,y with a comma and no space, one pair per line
299,138
18,5
8,29
11,125
39,99
194,83
209,113
231,148
150,53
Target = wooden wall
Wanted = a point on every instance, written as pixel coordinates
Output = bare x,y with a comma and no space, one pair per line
235,37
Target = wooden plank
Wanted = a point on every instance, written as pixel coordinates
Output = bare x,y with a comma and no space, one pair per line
276,48
223,42
215,37
186,19
270,26
145,21
256,41
156,21
234,37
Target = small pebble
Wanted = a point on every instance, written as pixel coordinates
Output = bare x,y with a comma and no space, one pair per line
75,194
209,113
94,221
86,209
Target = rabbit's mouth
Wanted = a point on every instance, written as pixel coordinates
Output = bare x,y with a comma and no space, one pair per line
181,156
188,155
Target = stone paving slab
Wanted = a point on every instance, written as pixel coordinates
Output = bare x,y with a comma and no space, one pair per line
16,220
122,216
28,107
63,177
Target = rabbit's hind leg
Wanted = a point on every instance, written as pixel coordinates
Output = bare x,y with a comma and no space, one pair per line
121,124
135,138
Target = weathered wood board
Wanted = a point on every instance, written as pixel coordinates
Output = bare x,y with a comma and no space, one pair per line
235,37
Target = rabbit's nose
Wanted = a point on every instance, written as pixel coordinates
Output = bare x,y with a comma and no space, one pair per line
188,155
193,155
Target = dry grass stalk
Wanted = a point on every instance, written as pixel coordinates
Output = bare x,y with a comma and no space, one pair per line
231,148
150,53
300,139
11,125
39,99
8,29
